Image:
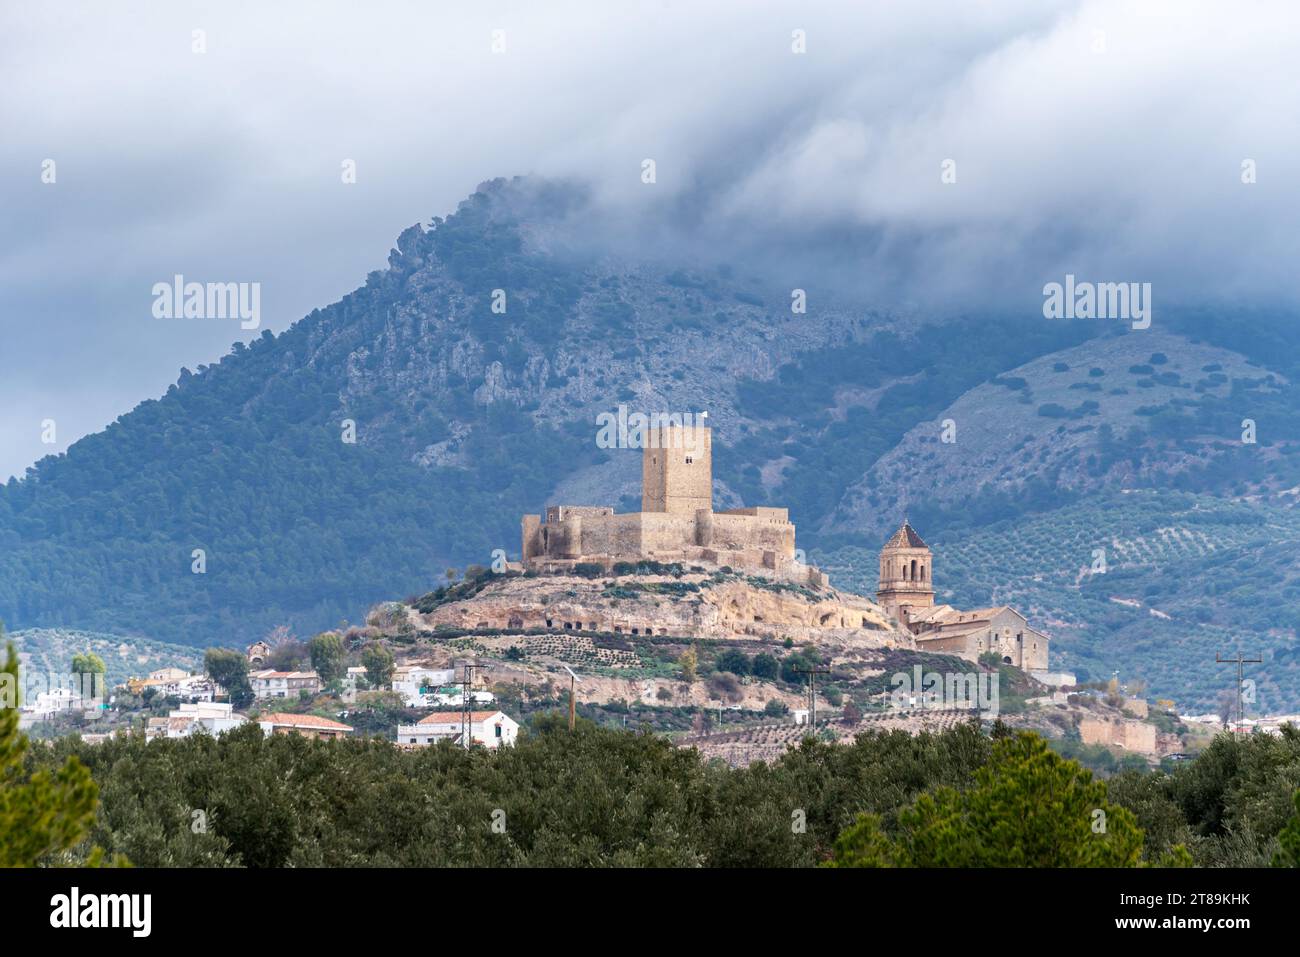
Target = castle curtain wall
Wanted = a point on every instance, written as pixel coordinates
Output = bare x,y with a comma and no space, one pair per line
666,532
611,535
760,529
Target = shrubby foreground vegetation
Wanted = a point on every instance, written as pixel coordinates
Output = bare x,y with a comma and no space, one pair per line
600,797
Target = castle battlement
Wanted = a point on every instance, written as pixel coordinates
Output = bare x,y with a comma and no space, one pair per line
676,522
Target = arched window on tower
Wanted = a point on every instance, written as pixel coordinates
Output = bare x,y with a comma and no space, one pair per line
913,569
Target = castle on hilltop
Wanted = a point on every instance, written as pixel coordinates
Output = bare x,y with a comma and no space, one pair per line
677,521
906,591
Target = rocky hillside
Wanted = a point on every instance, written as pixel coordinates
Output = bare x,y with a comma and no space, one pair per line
470,372
669,642
690,603
321,469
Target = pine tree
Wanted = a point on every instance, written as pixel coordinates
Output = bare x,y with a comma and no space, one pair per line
1029,807
1288,852
44,814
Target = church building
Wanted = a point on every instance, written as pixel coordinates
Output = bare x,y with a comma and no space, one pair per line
906,591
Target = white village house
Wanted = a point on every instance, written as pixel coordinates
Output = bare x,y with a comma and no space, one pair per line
283,684
47,704
451,696
199,717
418,686
176,683
491,729
308,725
195,688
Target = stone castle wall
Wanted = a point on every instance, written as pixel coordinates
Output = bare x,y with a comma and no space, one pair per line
751,540
766,529
677,521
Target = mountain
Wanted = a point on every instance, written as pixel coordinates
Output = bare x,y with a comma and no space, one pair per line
467,416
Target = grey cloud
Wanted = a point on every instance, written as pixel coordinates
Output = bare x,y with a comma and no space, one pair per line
226,166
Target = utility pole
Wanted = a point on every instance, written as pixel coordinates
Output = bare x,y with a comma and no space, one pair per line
466,710
812,674
573,698
1239,661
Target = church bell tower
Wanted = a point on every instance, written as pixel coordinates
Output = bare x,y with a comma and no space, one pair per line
905,565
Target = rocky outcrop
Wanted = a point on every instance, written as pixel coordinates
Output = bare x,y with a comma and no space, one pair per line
694,605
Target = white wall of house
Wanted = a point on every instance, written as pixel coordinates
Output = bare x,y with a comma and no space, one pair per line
481,732
271,684
409,680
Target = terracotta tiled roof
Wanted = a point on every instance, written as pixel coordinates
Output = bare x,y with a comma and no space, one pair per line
906,537
453,717
282,674
301,721
935,613
953,629
984,614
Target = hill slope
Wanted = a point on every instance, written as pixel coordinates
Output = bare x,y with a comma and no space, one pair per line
1186,577
467,418
46,655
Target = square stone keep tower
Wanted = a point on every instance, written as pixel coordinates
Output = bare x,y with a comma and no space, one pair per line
677,470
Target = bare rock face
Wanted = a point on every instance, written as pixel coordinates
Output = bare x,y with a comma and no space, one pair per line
700,605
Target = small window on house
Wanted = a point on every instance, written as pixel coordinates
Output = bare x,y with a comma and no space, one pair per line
498,731
689,460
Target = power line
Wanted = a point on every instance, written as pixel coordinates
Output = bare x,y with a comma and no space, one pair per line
466,710
573,697
1239,661
812,674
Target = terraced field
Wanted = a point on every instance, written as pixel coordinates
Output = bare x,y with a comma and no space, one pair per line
49,651
1148,583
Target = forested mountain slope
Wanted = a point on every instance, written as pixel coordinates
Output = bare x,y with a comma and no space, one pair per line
466,418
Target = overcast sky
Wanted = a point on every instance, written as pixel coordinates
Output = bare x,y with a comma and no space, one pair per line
1104,138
